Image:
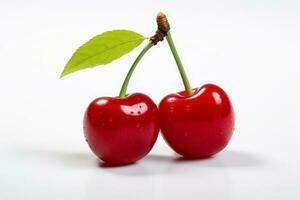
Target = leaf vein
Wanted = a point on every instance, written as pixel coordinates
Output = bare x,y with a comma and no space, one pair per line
103,51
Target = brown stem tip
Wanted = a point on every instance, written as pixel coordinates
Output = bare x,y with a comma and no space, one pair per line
163,28
162,23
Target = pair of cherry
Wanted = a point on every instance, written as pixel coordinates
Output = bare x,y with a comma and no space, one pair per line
196,123
124,130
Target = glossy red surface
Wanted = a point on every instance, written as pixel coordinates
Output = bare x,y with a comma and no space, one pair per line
197,126
121,131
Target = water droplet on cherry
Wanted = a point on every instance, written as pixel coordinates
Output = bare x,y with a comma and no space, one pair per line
138,125
188,107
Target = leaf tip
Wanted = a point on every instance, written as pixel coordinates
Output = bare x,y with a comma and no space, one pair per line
63,73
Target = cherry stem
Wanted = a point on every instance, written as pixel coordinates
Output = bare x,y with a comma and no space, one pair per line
184,78
124,87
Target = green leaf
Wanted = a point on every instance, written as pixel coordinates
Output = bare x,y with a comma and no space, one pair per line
103,49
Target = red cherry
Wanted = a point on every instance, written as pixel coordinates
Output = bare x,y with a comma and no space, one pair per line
121,130
197,126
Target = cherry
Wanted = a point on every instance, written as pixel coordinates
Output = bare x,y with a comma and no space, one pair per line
195,123
121,130
199,125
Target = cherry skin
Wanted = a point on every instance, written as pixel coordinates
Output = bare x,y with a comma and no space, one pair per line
121,130
197,126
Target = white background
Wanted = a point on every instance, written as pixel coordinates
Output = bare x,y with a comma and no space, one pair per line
249,48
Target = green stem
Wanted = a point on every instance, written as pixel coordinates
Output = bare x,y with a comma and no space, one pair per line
184,78
123,90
